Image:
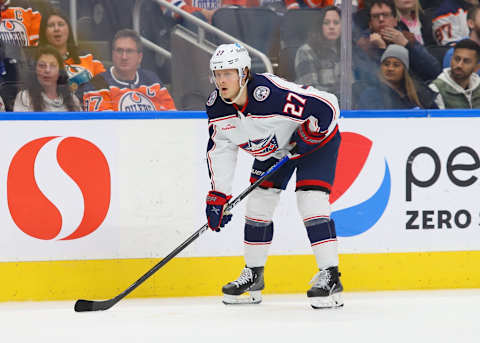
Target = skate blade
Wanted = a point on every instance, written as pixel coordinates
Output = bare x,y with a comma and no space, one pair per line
253,297
333,301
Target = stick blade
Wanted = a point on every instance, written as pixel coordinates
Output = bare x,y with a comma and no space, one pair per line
89,305
83,305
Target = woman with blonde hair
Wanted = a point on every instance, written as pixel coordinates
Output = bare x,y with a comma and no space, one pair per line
410,13
395,88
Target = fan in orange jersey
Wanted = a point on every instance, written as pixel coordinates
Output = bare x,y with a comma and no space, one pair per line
56,30
125,87
19,25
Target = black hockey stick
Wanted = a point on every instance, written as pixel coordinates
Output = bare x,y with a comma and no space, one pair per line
102,305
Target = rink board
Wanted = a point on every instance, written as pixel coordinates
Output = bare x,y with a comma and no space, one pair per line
406,210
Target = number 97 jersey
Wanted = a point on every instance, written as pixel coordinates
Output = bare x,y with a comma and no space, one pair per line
274,110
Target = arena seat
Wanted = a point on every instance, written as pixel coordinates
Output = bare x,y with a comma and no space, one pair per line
293,33
190,66
8,91
258,27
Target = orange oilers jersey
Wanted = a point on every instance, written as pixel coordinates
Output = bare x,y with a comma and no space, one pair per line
144,94
87,62
20,26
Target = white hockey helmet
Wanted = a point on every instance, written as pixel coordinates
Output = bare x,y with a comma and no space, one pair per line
230,56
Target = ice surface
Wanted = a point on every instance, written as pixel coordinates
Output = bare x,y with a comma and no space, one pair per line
407,316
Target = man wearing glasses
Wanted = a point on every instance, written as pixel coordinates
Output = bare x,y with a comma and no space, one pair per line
384,29
125,86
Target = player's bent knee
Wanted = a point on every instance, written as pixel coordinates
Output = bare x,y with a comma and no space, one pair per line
313,204
262,203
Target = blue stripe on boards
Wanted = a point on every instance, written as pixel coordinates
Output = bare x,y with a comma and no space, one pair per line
17,116
26,116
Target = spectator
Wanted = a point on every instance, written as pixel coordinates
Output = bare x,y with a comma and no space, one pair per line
459,86
2,105
56,31
14,36
410,13
48,90
317,62
449,21
125,87
384,29
395,88
473,22
17,32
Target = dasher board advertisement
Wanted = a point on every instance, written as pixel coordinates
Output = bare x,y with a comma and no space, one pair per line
106,189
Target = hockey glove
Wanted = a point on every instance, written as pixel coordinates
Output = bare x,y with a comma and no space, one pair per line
306,140
216,202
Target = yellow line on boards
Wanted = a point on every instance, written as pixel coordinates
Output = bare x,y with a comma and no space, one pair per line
203,276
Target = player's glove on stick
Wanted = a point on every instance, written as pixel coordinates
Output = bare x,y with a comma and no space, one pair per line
306,140
216,202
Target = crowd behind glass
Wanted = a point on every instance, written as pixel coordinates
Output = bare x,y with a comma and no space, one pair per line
406,54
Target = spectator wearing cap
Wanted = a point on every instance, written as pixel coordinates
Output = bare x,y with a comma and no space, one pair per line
384,29
394,87
459,85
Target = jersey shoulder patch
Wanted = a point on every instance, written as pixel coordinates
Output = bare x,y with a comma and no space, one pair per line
212,98
261,93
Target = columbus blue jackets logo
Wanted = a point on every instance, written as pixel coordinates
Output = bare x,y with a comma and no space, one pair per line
13,32
261,93
261,147
135,102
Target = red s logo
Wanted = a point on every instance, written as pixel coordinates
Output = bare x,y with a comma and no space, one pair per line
34,213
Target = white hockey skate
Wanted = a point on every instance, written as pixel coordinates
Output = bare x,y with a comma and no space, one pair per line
326,291
250,281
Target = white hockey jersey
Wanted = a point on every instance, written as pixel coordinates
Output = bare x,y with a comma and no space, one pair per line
264,126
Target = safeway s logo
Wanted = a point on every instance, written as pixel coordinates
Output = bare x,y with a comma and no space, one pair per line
58,188
352,160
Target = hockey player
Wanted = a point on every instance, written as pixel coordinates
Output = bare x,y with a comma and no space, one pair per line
126,87
265,115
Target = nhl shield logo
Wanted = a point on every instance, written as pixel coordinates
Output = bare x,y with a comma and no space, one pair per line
261,93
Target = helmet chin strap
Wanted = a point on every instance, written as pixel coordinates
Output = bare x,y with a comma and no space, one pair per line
236,97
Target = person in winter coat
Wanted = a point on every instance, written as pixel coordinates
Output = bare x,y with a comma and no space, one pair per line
395,88
384,29
459,85
317,62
